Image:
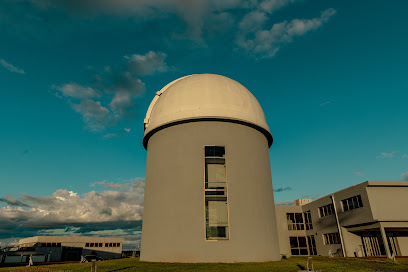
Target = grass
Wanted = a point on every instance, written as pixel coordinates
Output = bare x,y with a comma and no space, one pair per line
293,264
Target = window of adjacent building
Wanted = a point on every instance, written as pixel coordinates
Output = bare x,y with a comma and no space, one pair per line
308,220
331,238
295,221
352,203
312,245
216,204
326,210
110,244
58,244
298,245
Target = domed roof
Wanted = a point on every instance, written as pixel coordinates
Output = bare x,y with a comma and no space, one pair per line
204,97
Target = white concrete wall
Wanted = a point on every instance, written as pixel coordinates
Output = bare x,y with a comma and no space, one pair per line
174,213
403,245
389,203
282,225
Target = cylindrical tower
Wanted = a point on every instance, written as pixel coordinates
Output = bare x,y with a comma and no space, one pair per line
208,194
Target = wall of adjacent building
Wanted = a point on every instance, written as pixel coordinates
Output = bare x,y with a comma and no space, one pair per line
282,226
321,226
382,201
403,245
388,203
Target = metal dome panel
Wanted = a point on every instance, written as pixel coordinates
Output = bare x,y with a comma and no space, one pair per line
204,97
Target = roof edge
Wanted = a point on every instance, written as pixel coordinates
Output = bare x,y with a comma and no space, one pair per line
264,131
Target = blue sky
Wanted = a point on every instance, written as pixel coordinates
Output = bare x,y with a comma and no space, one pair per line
76,80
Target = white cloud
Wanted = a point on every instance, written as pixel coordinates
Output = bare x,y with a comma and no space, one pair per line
114,212
147,64
65,207
266,43
93,113
405,176
117,87
11,67
358,174
127,130
273,5
405,156
387,155
252,21
77,91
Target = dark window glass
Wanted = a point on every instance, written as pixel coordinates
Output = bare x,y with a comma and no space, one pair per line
210,151
331,238
106,244
100,244
87,245
215,151
303,251
118,244
215,193
293,242
326,210
294,251
92,245
58,244
110,244
352,203
219,151
299,218
302,242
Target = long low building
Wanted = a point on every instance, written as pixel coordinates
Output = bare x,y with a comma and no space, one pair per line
367,219
66,248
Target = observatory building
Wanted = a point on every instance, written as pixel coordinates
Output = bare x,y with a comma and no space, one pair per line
208,195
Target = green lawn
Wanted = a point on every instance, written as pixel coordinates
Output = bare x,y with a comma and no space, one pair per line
290,265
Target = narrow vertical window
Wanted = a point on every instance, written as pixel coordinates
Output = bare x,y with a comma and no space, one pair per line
216,204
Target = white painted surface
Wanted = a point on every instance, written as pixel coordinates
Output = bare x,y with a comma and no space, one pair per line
204,95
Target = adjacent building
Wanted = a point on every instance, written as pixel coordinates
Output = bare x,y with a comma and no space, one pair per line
208,194
64,248
367,219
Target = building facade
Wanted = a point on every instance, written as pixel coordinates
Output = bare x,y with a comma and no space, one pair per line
364,220
64,248
208,194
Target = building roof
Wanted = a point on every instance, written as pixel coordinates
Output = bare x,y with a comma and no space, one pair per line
204,97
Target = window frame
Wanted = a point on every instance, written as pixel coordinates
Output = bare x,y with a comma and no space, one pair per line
295,225
307,218
356,203
326,210
225,190
332,238
298,247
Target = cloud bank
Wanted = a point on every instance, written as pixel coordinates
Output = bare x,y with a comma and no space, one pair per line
114,212
110,95
250,23
263,43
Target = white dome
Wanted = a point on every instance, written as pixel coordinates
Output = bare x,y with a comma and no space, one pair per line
204,97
